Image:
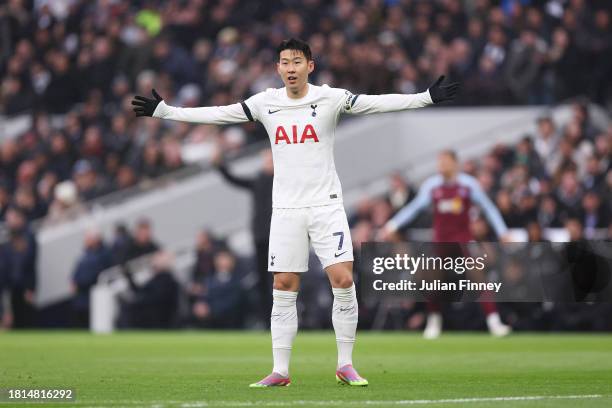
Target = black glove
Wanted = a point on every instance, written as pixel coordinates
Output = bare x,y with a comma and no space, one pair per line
145,106
443,93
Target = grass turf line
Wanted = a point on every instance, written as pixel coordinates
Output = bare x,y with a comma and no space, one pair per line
181,369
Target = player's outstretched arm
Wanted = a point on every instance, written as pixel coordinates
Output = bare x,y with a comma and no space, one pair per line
490,210
242,182
365,104
412,209
212,115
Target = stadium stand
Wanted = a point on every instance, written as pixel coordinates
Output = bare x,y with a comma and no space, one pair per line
69,68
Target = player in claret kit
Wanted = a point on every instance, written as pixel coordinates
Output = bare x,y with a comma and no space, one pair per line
300,120
452,194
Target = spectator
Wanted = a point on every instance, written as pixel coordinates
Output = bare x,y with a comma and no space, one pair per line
507,209
28,202
547,139
260,188
119,139
16,98
585,266
564,57
62,91
534,232
142,242
220,306
594,177
88,182
204,264
603,151
151,162
19,261
154,304
592,214
548,214
569,194
527,210
45,189
525,154
65,204
400,192
582,148
524,68
95,259
60,156
481,231
122,240
125,177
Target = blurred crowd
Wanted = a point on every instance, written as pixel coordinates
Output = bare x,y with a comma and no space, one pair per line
562,172
559,178
74,65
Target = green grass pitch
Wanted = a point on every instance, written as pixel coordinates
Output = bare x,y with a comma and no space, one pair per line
207,369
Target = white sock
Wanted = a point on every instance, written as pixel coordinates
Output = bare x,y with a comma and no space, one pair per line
493,320
344,319
283,325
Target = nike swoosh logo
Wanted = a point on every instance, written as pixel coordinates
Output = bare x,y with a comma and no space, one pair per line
340,254
271,111
345,309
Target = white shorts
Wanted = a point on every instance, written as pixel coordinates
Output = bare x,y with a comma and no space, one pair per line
291,230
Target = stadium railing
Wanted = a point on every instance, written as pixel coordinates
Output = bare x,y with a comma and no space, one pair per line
104,296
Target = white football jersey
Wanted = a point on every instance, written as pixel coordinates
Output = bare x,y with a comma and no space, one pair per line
301,132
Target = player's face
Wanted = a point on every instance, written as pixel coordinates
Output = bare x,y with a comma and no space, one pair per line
447,166
293,67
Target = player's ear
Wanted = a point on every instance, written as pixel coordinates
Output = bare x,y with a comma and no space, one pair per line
311,66
278,68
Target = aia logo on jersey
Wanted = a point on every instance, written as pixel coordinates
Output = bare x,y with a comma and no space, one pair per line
282,136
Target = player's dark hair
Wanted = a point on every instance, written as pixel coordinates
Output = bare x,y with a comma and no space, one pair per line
297,45
450,153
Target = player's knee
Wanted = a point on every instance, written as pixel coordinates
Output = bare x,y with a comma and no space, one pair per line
282,285
285,283
345,281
